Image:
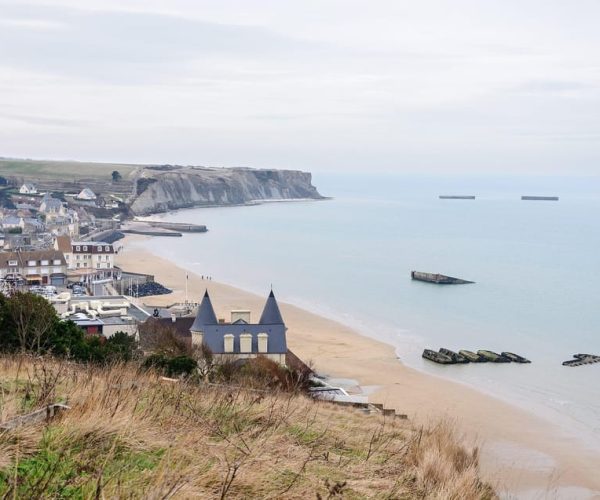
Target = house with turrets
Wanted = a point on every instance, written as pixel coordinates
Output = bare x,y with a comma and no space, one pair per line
238,338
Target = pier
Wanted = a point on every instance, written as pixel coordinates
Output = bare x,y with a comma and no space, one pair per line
456,197
179,226
539,198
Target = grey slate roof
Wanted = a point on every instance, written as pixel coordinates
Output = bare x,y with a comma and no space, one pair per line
271,314
213,332
205,315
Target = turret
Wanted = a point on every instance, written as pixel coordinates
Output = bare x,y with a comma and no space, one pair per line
271,314
205,316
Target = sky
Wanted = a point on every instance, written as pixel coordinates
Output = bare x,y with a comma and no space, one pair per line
322,85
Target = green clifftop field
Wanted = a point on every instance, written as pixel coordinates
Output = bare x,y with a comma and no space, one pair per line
47,169
136,435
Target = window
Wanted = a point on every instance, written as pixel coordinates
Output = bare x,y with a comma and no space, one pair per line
56,262
77,248
31,262
78,265
246,343
228,343
85,248
45,263
263,343
107,248
98,265
100,248
12,263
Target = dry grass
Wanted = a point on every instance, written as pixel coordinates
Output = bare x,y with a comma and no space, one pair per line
133,435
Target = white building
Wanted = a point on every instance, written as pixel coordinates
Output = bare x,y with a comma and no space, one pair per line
52,208
28,188
46,267
86,194
90,260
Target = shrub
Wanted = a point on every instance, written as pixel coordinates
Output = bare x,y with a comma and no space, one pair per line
173,367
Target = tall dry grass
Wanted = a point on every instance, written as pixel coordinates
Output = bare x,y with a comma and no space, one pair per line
133,435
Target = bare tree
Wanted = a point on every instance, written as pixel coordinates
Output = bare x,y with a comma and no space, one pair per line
205,359
158,337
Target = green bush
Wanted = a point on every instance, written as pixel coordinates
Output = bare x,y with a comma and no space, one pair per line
172,367
29,323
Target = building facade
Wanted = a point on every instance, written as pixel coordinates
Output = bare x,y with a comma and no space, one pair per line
241,339
43,267
28,188
89,260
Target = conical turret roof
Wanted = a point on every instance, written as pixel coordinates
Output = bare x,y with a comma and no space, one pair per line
271,314
206,314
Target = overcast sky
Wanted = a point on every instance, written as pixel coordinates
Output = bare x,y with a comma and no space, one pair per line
428,85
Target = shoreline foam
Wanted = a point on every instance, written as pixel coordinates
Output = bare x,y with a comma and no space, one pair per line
339,351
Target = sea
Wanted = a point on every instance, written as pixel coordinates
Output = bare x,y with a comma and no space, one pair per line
536,265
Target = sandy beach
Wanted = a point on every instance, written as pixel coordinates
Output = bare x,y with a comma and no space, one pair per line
521,454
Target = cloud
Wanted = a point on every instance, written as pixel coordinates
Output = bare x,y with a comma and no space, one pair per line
312,83
44,121
126,47
553,86
31,24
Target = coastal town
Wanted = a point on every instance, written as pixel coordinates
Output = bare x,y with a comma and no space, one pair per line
62,246
294,250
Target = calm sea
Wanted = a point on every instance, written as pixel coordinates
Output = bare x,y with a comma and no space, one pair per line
536,264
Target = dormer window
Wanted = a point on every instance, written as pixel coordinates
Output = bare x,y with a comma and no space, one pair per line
12,263
100,248
78,248
107,248
31,263
85,248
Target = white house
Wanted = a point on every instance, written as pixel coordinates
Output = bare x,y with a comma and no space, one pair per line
86,194
46,267
28,188
12,222
90,260
52,208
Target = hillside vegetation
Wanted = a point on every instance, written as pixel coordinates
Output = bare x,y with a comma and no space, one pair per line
36,170
133,434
